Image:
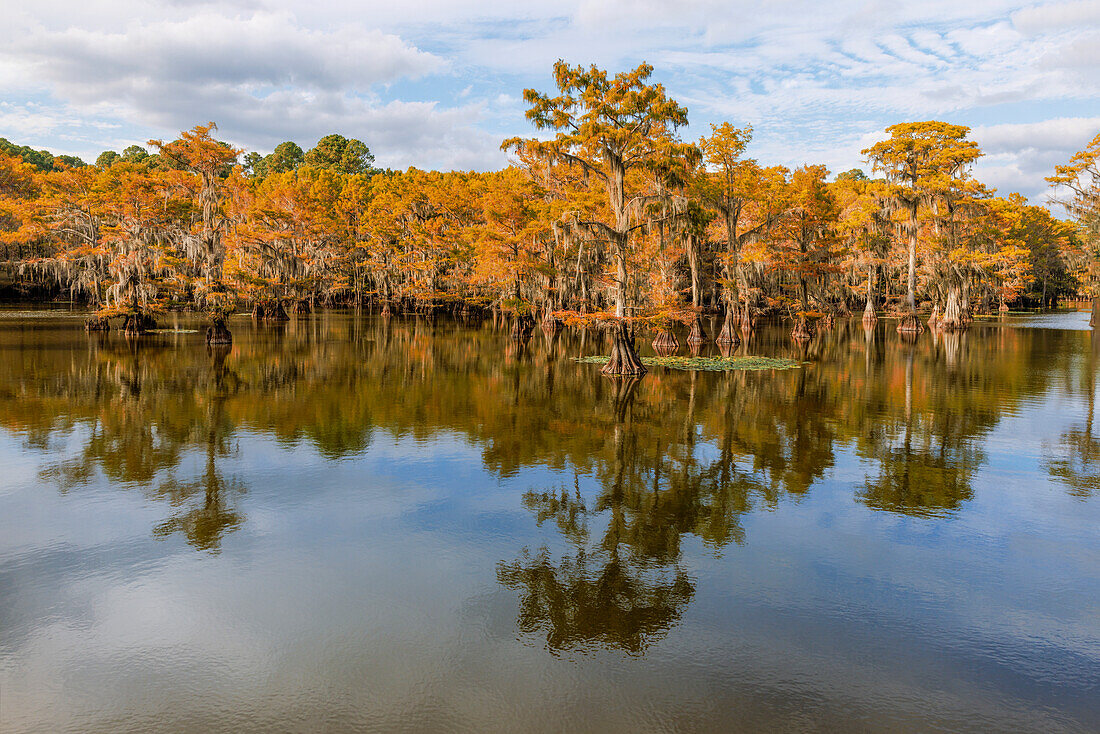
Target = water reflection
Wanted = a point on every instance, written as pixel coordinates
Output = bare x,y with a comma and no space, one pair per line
626,587
202,510
140,416
925,461
1075,460
409,524
672,455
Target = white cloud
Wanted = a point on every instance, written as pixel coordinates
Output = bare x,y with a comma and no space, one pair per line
1046,136
436,83
260,51
1057,16
263,77
1019,156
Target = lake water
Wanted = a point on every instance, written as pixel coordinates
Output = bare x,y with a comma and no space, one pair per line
350,524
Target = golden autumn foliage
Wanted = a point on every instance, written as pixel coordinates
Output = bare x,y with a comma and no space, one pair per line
613,217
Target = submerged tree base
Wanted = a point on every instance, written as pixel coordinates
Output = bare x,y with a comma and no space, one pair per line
665,343
269,311
624,360
698,334
708,364
952,325
934,319
747,323
218,333
803,329
135,324
910,324
728,335
97,323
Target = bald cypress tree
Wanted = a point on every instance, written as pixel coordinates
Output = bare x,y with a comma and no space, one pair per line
609,127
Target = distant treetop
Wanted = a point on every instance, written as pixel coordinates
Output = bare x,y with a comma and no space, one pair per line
43,160
332,153
337,153
854,174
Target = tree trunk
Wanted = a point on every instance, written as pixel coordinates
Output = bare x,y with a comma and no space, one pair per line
136,323
952,313
218,332
869,315
275,312
912,294
1095,320
698,334
746,319
696,276
728,334
934,319
803,329
624,360
910,324
270,310
97,323
665,343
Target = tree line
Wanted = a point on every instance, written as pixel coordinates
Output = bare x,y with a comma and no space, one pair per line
608,215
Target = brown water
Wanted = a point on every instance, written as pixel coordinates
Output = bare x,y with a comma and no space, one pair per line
344,524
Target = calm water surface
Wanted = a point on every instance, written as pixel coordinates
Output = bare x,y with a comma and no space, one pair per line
347,524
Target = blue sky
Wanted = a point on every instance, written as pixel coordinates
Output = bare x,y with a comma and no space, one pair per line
438,84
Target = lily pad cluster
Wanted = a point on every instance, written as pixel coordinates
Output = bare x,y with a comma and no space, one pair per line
708,364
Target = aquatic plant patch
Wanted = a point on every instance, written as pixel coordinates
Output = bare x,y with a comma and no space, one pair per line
708,364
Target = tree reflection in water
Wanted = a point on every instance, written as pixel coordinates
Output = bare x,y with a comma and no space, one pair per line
618,592
671,456
1076,461
627,586
152,417
205,521
926,461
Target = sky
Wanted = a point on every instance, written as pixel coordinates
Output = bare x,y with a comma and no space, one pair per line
437,84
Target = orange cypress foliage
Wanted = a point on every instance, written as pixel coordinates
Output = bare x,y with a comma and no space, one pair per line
613,219
803,244
19,222
511,243
210,163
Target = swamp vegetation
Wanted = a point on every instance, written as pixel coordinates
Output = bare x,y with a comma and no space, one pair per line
607,217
